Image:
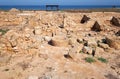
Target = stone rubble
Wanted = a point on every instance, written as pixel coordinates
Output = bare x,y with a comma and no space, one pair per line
54,45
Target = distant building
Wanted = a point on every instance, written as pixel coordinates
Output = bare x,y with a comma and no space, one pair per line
52,7
113,6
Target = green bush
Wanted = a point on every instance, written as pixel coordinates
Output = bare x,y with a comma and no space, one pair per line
3,31
102,60
80,51
89,59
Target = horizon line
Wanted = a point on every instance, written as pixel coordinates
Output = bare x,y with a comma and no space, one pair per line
59,5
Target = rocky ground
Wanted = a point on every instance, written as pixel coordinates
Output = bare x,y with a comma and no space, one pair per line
59,45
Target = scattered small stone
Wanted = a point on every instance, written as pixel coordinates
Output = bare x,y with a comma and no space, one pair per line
118,33
6,70
113,67
87,50
104,41
47,38
85,42
61,26
65,71
67,56
80,40
50,69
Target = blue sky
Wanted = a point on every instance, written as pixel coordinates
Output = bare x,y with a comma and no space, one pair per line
60,2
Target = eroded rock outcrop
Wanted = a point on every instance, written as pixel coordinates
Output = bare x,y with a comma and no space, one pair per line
84,19
96,27
115,21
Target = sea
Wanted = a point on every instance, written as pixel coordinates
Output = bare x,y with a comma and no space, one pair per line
61,7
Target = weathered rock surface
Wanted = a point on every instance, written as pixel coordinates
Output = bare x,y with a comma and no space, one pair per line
113,42
104,46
